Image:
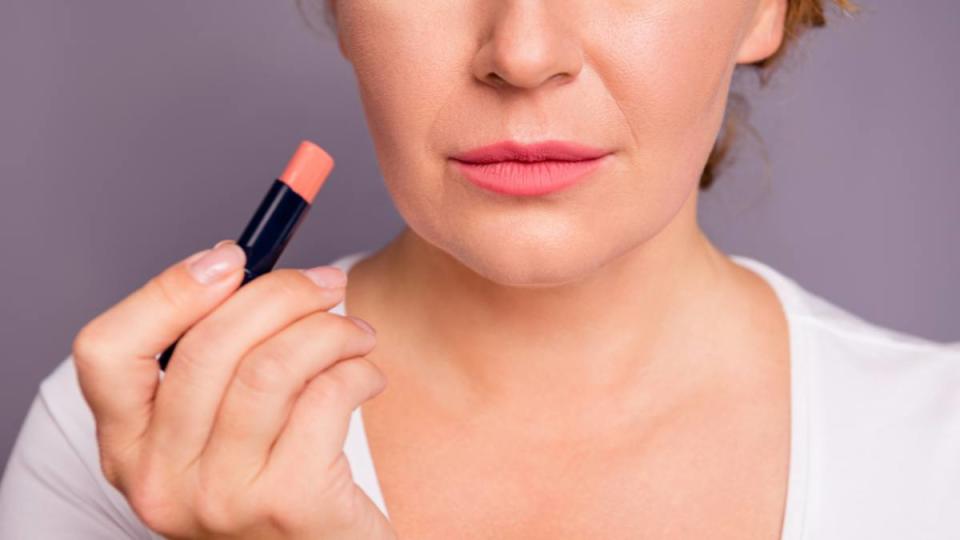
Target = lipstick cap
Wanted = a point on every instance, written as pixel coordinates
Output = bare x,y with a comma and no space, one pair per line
307,170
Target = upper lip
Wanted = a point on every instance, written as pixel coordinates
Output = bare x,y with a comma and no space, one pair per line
553,150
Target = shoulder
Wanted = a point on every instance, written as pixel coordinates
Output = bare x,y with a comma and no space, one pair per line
880,381
869,382
845,340
866,365
54,472
847,344
879,410
69,413
884,427
887,387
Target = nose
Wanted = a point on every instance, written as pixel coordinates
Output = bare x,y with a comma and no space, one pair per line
527,46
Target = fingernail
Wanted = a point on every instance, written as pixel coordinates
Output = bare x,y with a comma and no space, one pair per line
216,263
328,277
364,325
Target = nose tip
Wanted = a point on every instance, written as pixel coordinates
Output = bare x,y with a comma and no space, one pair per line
528,48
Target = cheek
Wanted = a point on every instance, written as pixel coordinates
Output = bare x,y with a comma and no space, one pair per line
412,90
403,76
669,68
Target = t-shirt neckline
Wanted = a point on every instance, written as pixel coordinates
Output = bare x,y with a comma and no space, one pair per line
789,295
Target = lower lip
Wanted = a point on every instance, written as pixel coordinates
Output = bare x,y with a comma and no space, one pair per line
528,178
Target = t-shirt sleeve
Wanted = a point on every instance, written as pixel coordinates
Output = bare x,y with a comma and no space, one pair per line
53,487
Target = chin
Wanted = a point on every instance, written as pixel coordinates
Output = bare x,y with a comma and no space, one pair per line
528,261
533,246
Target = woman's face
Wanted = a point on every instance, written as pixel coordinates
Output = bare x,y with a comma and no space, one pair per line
646,80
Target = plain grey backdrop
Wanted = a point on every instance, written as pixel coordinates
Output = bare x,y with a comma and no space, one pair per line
135,133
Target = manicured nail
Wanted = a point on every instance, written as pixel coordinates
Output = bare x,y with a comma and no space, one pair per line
364,325
216,263
328,277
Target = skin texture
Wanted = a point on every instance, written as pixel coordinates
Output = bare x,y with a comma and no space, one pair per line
243,438
582,364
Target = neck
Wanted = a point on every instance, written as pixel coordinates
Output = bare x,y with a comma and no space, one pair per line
644,320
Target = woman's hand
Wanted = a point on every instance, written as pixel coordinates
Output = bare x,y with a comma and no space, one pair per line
243,436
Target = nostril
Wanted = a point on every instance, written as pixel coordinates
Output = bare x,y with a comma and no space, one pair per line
496,79
561,75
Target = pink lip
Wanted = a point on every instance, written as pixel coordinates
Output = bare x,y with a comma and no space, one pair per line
513,168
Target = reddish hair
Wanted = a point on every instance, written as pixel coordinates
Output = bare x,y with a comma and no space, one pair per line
801,15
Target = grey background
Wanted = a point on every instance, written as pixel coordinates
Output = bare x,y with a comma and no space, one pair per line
135,133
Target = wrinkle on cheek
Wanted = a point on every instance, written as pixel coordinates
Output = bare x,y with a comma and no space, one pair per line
408,63
413,95
609,75
675,60
613,49
665,66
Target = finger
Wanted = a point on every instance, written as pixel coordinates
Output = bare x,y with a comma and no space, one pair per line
115,353
207,355
267,383
317,428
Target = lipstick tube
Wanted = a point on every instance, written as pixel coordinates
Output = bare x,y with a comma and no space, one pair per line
279,215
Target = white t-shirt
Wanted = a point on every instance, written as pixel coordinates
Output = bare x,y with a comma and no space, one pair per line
875,438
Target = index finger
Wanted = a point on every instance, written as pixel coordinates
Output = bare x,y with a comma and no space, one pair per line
116,352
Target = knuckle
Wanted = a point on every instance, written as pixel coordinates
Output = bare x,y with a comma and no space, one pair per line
352,340
345,383
287,286
196,350
151,499
87,345
326,391
281,511
337,334
360,372
325,324
368,370
327,327
374,381
267,370
214,512
164,289
376,378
